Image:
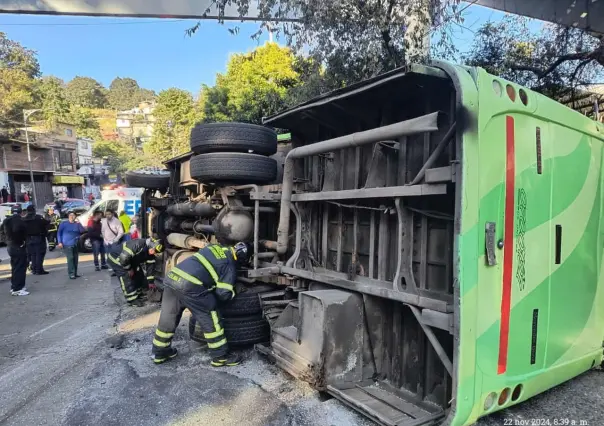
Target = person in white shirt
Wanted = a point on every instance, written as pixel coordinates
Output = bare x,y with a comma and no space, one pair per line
111,229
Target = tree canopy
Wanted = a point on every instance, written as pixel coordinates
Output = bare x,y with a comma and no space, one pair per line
125,93
120,156
50,94
18,69
16,57
255,85
555,60
86,92
175,115
358,39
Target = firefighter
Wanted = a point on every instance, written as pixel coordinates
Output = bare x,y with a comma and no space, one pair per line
37,229
127,260
54,221
195,284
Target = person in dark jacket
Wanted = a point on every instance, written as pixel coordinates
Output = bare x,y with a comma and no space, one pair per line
96,239
4,194
68,237
37,229
16,234
127,261
196,284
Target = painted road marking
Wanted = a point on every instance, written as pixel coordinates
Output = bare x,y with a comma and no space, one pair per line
55,324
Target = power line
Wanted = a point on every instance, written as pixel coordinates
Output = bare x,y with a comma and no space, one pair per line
88,24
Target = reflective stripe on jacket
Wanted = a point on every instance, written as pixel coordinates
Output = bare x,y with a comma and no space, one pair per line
214,267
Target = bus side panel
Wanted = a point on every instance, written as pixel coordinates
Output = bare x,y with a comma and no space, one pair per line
538,182
576,325
526,253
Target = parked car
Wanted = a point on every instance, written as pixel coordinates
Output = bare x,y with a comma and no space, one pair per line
75,204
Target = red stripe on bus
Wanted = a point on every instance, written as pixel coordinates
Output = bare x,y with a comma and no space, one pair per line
508,248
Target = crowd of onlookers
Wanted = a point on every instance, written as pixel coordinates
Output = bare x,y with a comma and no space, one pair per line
106,231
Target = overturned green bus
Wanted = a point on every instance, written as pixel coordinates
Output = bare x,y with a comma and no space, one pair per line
429,242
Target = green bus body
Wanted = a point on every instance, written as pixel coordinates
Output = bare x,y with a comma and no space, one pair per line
535,317
507,277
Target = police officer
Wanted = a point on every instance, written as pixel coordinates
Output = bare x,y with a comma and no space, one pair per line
128,260
195,284
37,229
16,233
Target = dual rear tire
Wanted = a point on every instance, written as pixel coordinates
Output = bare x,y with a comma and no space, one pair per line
233,153
242,319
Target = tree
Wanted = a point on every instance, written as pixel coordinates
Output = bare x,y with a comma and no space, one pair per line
121,93
85,123
556,61
121,156
86,92
359,39
125,93
16,57
50,97
144,95
175,115
18,68
255,85
15,94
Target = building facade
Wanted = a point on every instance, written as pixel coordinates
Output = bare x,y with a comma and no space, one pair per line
53,162
136,125
84,151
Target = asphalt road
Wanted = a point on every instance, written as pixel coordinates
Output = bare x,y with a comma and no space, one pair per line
71,355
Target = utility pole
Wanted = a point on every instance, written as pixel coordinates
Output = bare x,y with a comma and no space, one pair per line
26,114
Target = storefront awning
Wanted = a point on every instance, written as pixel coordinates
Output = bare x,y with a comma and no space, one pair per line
68,180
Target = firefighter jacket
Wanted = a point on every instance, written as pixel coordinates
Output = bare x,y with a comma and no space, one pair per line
54,222
134,254
213,267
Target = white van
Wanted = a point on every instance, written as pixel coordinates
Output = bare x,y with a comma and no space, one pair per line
120,199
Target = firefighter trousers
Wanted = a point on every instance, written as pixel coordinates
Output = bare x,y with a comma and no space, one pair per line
203,309
131,286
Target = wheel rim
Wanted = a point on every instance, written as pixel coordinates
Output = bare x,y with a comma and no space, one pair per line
88,244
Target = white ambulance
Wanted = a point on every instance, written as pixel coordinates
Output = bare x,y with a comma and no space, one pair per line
117,200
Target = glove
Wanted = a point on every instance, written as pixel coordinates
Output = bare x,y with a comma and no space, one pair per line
131,273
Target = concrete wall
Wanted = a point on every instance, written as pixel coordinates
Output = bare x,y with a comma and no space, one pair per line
14,157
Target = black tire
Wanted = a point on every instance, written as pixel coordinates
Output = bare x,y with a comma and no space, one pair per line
245,303
239,331
84,245
231,167
150,180
233,137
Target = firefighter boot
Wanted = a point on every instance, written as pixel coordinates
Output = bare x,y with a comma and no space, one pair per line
228,360
165,355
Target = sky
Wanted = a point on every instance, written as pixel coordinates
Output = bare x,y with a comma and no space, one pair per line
155,52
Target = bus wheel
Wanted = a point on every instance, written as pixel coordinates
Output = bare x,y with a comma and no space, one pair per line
233,137
151,179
